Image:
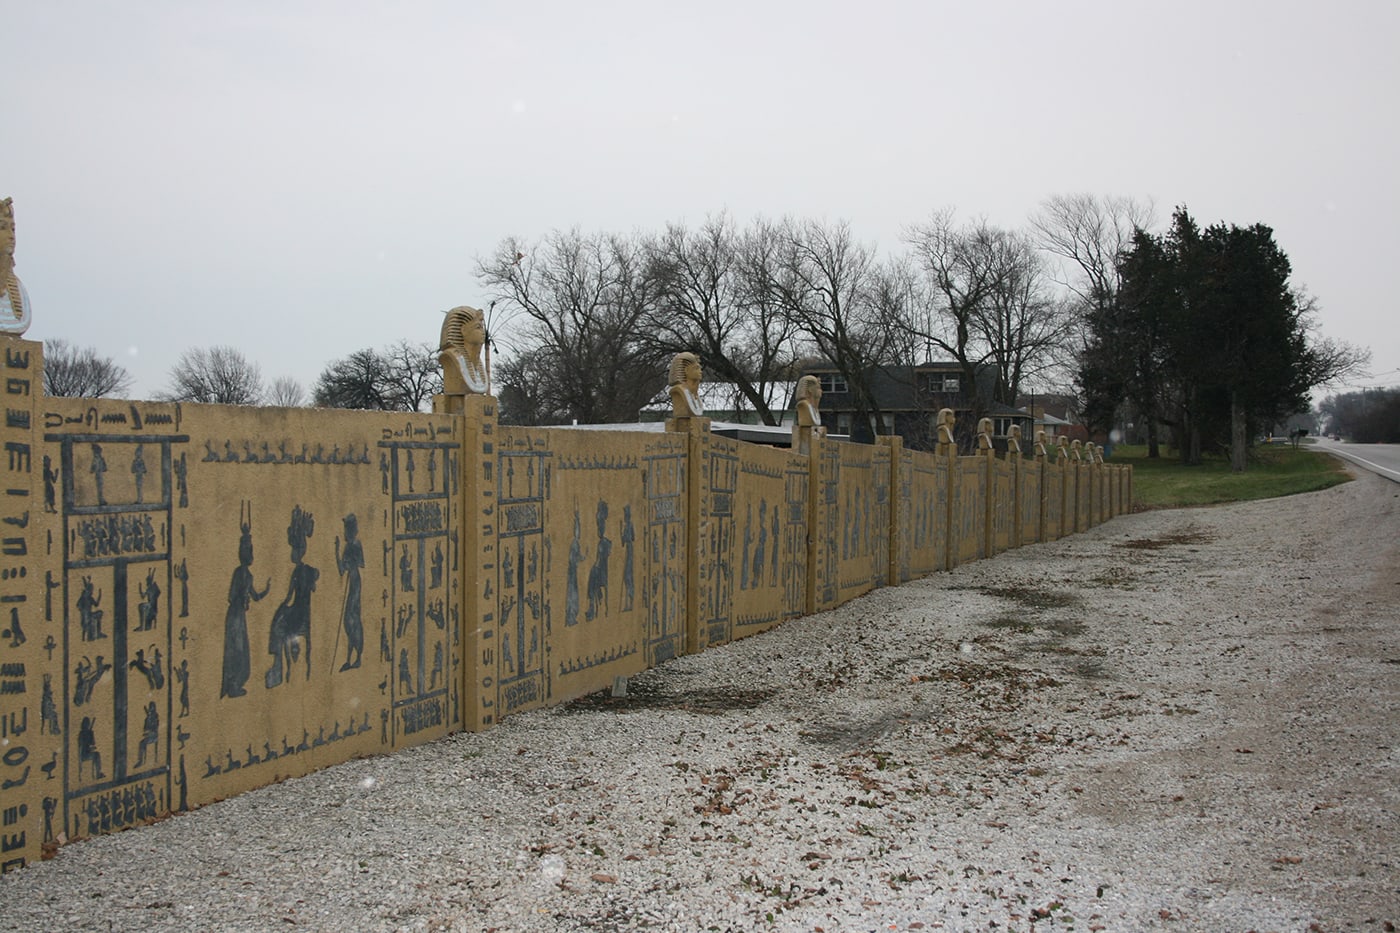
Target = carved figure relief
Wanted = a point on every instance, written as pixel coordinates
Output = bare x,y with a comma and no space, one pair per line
14,300
291,621
629,540
349,561
598,573
242,592
571,581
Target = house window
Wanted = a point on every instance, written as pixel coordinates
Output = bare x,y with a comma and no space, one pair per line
940,382
843,423
832,382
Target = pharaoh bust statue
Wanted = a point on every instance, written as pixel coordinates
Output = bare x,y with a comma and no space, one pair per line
684,379
809,419
809,397
984,434
945,427
459,352
14,301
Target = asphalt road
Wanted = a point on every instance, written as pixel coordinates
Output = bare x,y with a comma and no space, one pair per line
1381,459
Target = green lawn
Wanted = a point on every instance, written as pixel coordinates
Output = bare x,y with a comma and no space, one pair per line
1274,470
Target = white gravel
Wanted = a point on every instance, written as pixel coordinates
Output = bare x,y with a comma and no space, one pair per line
1183,720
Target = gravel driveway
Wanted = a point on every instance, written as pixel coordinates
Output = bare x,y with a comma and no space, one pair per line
1180,720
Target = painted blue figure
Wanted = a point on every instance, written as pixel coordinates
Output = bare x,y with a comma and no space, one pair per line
89,616
149,607
406,571
98,468
759,549
48,709
773,574
629,540
571,581
138,469
150,734
748,539
598,573
349,561
242,592
87,749
291,622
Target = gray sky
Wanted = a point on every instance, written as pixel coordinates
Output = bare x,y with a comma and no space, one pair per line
302,180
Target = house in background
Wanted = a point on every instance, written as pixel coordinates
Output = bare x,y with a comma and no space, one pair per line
909,399
723,401
1057,415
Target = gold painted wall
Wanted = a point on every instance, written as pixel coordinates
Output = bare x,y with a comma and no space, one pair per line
198,600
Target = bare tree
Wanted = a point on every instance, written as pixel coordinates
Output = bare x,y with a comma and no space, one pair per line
1091,233
826,283
219,374
962,267
415,374
580,304
285,392
79,372
402,377
1023,324
708,296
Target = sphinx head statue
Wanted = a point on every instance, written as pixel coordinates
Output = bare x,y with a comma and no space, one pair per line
7,241
685,371
684,380
14,302
459,350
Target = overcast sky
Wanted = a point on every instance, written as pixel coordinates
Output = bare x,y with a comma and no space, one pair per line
302,180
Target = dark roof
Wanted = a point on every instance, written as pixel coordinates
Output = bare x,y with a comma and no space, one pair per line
896,388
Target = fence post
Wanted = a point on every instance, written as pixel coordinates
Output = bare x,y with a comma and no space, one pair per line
895,526
1017,462
988,453
1042,486
697,432
816,514
948,450
477,504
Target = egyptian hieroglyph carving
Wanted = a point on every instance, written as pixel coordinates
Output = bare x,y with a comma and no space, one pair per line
459,352
684,379
14,301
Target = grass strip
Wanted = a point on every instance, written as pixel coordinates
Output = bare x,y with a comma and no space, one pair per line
1273,470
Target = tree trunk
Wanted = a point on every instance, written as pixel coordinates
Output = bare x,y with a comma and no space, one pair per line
1238,439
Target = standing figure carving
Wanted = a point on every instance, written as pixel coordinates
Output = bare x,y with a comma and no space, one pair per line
349,561
14,300
242,592
460,348
684,380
